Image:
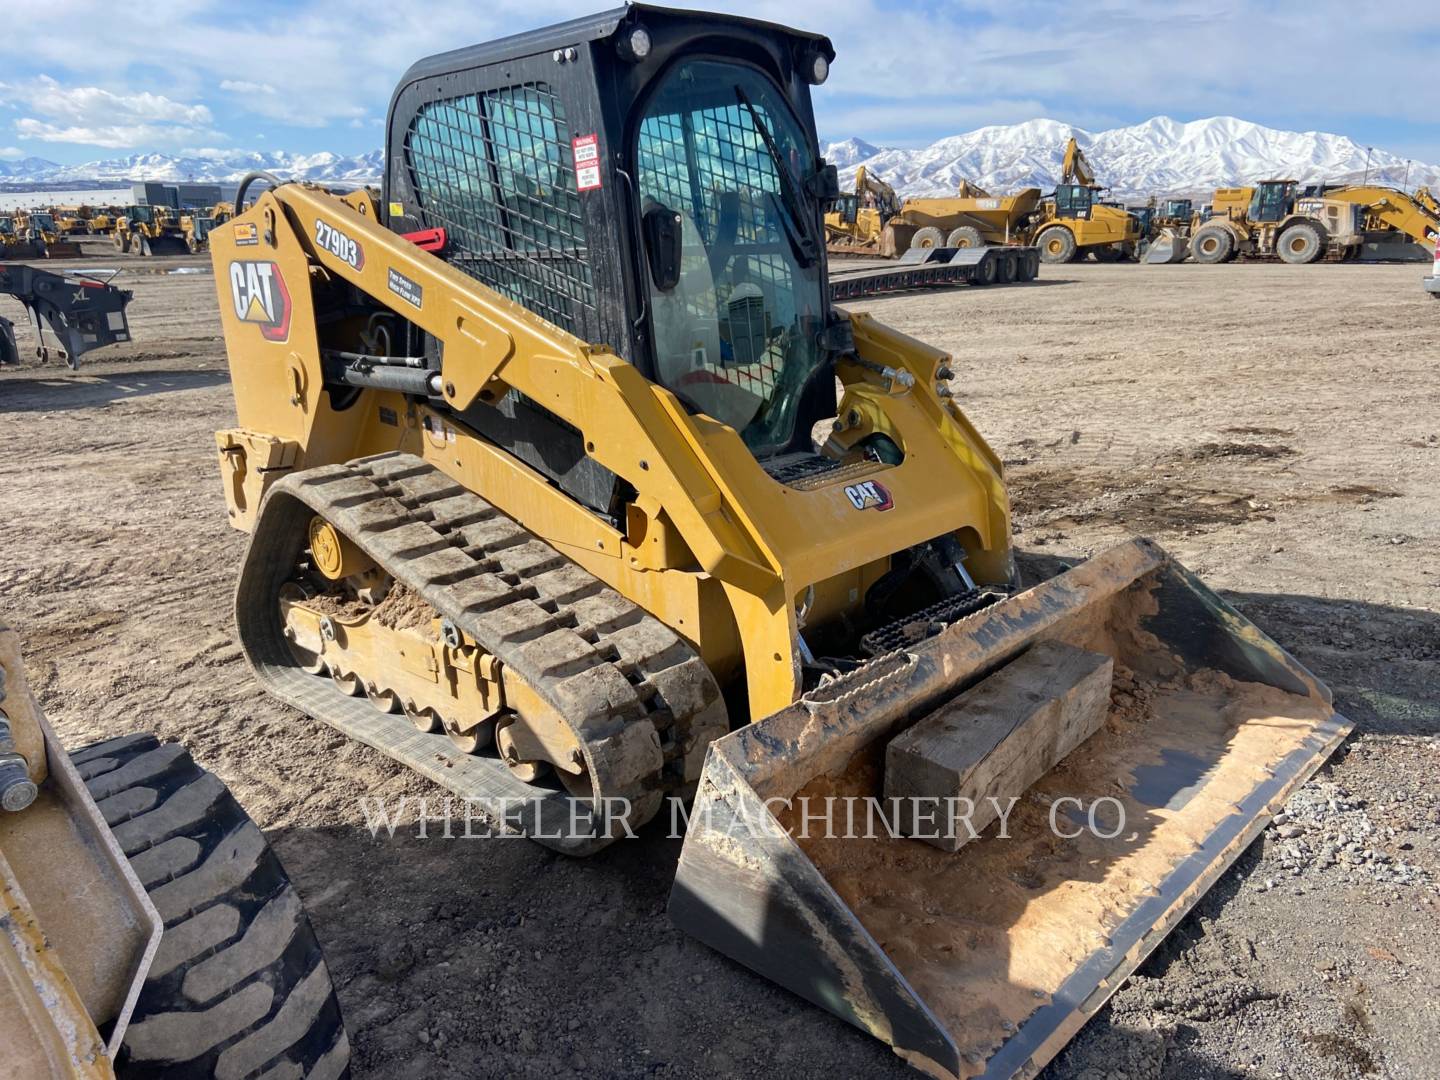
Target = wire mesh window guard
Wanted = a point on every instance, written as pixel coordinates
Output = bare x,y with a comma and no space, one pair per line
495,170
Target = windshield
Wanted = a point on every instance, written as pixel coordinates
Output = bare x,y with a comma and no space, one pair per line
736,338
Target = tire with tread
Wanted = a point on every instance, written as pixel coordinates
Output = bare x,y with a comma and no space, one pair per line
1212,244
928,237
238,987
1056,244
1301,243
1006,268
1027,267
986,270
965,236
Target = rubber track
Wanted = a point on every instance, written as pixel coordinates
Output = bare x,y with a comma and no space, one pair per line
238,987
641,702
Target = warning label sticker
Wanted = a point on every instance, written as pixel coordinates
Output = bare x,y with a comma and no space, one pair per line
587,162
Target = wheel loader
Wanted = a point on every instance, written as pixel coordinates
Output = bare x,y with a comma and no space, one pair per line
147,930
1171,224
1272,220
549,497
15,245
150,230
40,229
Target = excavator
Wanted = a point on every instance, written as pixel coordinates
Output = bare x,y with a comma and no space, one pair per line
1071,223
1398,224
549,497
857,219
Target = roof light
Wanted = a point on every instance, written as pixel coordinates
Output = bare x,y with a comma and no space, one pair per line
818,69
635,45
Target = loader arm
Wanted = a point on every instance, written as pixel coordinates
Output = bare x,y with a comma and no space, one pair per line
490,344
1417,216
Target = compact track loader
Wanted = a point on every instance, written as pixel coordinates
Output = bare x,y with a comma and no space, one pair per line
147,931
549,497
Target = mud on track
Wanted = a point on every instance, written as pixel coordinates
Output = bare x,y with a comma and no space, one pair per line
1278,428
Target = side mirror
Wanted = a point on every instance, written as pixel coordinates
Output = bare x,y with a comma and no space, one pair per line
824,183
661,227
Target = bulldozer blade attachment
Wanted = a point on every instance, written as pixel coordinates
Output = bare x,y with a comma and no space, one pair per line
160,245
985,961
1167,248
62,249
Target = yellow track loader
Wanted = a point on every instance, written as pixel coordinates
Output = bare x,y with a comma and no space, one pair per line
549,497
147,931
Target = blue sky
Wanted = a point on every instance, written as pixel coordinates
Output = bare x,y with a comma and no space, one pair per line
307,76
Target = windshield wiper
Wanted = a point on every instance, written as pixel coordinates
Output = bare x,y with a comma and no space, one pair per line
801,242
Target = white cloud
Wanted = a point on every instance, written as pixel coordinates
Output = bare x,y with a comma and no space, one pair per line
241,86
99,117
11,153
905,71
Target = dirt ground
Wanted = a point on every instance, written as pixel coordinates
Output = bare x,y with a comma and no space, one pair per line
1277,428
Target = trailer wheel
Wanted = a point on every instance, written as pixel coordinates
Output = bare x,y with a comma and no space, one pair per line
1056,244
986,270
928,237
1027,266
1006,269
965,236
1301,243
1212,244
238,985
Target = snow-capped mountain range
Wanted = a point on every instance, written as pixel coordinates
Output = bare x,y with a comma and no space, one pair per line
1159,157
210,167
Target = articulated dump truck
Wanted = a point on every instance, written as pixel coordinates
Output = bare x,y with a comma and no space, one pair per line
549,497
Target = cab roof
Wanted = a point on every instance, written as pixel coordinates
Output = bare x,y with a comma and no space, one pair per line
587,28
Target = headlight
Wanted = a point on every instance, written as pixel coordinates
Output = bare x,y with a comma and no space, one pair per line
818,70
635,45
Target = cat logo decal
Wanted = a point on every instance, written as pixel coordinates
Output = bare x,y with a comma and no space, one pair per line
259,294
869,495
